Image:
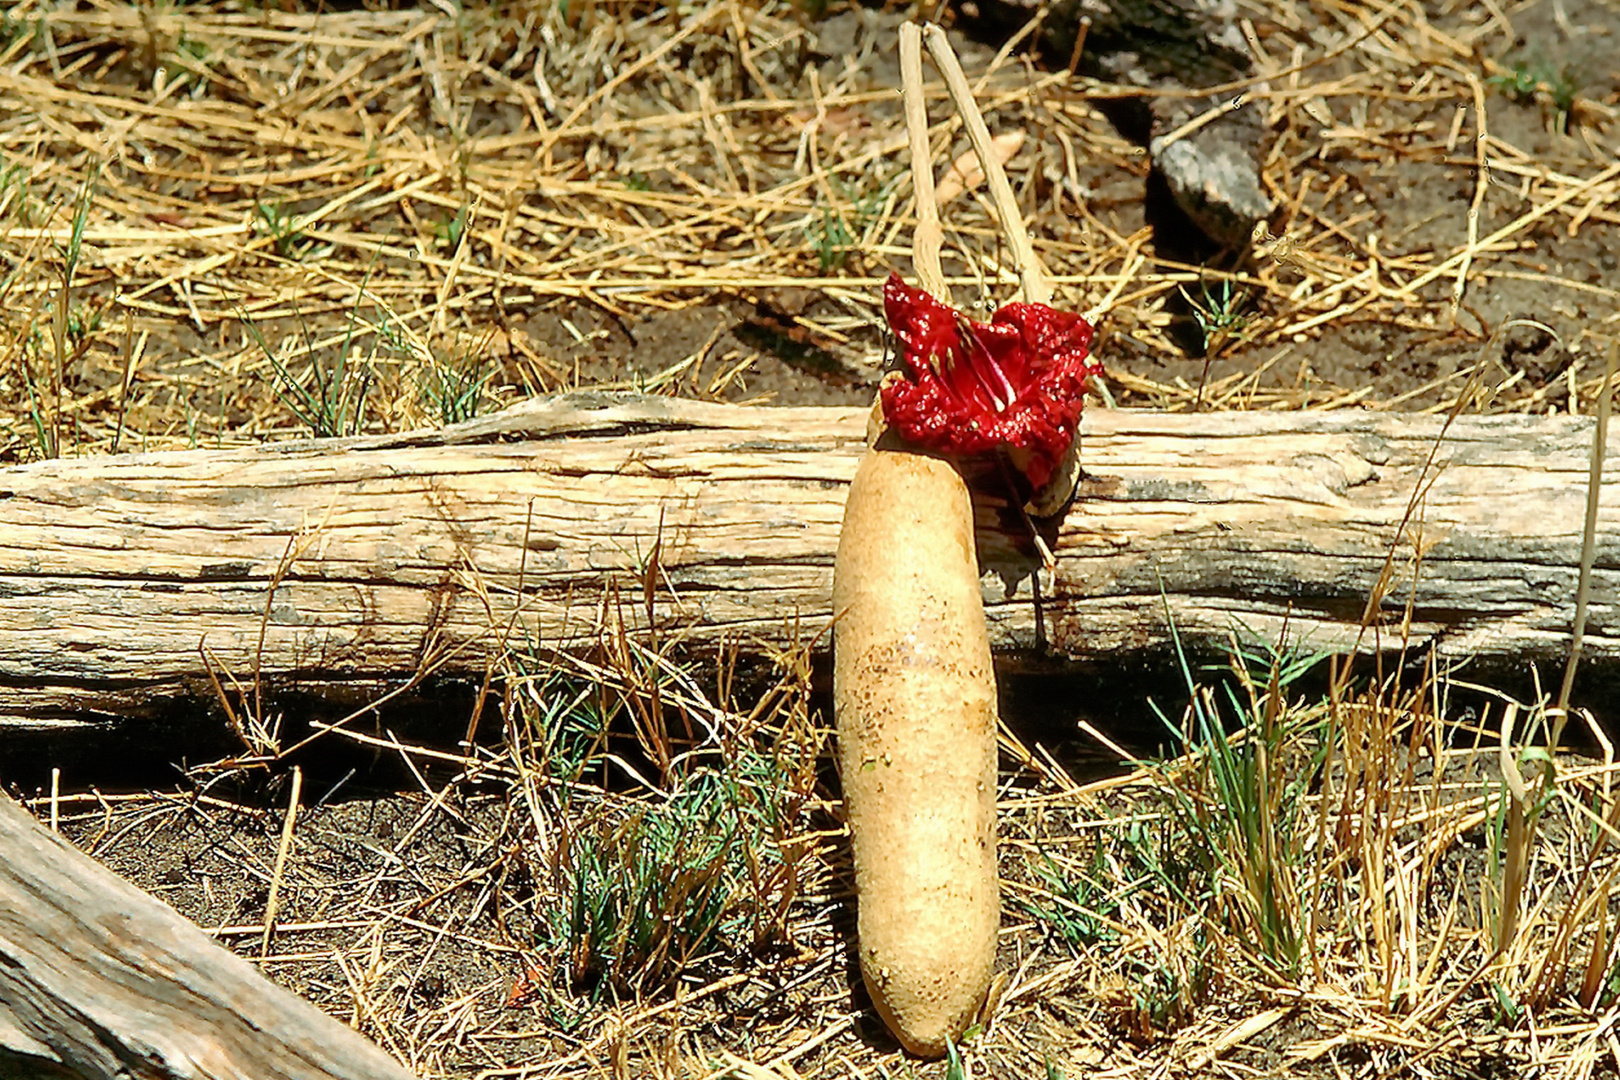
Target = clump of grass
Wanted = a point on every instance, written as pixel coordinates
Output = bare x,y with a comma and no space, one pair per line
1367,844
1552,84
1238,798
1166,991
17,205
328,394
838,231
44,367
285,230
1222,314
654,860
650,888
327,382
456,389
1075,903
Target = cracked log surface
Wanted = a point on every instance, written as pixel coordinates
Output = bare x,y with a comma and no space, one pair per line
359,560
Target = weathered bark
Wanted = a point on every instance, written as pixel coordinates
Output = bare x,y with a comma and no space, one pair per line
99,980
357,560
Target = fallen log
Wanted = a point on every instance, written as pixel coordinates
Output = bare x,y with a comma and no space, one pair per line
98,981
125,580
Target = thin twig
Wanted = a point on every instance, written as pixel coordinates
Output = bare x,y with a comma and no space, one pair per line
1036,288
272,904
1594,491
929,236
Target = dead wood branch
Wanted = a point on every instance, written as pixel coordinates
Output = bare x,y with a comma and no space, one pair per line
99,980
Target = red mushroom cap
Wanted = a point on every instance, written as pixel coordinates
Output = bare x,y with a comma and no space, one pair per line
969,388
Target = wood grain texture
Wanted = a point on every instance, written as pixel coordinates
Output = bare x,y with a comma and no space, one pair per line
99,980
116,574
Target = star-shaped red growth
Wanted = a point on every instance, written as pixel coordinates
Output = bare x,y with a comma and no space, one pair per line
968,388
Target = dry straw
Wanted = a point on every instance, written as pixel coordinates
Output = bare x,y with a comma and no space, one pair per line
410,185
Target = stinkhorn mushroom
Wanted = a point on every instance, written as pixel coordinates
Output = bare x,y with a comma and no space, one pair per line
968,389
913,686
